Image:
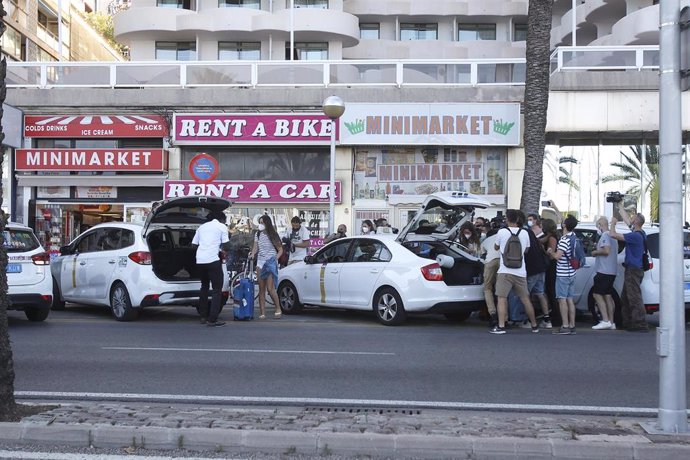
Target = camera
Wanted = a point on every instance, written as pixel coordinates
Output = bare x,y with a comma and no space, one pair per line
614,197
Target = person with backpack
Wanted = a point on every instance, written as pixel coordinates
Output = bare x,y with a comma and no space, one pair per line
632,305
512,242
568,259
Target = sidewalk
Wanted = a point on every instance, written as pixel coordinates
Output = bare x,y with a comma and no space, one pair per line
343,431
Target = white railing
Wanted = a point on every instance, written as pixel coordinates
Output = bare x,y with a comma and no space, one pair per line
587,58
254,74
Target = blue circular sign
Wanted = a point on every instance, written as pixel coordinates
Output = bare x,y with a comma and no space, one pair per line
203,168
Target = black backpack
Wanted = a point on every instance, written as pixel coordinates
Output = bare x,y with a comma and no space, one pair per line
512,252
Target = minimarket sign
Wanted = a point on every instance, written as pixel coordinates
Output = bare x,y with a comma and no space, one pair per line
467,124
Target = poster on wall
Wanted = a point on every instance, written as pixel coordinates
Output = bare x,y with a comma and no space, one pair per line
382,172
99,192
52,192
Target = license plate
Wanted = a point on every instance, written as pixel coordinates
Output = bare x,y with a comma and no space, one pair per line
14,268
687,286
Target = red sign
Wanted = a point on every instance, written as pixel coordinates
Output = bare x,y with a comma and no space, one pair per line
255,191
90,160
95,126
215,129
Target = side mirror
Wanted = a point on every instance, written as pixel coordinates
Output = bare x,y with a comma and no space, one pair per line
64,250
309,260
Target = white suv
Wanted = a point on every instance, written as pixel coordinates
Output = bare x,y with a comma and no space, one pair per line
128,266
28,274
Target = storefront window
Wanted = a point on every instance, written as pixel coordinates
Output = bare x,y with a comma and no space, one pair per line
382,172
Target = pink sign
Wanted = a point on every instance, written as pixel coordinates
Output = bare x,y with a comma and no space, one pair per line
255,191
241,128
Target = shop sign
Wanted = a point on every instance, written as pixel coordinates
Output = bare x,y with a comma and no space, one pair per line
243,129
95,126
255,191
98,192
90,160
203,168
431,124
52,192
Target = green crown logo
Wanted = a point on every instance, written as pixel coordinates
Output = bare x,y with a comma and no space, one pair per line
355,127
502,128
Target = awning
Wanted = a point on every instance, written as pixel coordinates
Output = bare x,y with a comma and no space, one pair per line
79,181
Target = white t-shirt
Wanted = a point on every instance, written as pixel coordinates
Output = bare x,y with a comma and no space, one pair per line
209,237
299,236
488,248
501,239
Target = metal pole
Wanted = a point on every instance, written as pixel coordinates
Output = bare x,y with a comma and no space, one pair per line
671,333
331,192
574,23
643,168
292,30
59,18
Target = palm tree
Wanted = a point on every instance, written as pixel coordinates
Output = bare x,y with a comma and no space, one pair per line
8,406
630,170
537,53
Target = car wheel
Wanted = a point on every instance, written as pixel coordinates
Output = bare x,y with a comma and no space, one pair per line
121,305
58,303
288,298
457,316
34,314
389,307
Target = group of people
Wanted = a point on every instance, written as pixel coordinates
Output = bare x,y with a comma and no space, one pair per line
547,271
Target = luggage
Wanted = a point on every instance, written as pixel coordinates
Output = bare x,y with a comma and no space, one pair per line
243,294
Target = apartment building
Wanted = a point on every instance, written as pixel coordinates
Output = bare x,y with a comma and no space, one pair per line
433,92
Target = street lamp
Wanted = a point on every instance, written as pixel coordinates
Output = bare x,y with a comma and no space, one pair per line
333,107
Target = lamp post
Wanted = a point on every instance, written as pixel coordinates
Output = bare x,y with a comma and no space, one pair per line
333,107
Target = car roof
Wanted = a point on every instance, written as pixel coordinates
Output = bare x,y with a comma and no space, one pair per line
128,225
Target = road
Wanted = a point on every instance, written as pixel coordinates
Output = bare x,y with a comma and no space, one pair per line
331,355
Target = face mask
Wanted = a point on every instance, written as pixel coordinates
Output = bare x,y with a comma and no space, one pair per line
599,232
530,223
262,227
467,235
365,229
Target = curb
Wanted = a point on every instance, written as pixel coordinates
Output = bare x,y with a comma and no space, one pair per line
329,443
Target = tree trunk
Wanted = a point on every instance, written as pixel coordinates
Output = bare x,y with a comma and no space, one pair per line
8,407
536,103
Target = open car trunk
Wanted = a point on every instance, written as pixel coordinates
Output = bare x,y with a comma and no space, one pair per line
172,256
464,271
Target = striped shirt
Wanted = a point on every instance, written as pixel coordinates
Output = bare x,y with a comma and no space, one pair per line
266,249
563,268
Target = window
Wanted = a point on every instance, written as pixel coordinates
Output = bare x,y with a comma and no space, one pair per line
108,239
653,245
254,4
176,51
88,243
127,239
308,51
311,4
181,4
239,51
520,33
12,44
470,32
19,240
418,31
366,250
370,31
336,252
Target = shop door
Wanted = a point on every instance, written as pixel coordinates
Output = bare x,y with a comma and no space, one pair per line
360,274
322,279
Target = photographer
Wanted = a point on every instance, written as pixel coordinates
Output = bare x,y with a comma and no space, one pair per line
341,233
299,238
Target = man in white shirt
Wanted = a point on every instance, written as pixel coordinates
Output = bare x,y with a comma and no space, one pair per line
208,240
512,278
299,238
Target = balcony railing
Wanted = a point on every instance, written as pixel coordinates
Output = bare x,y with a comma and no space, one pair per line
321,74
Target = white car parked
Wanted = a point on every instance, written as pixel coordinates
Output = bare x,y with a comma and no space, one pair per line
30,287
420,270
650,283
129,266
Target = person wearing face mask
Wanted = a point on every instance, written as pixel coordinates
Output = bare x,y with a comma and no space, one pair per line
299,238
606,268
368,227
469,238
341,233
268,249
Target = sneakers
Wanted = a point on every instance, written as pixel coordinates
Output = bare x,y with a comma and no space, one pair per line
613,326
562,331
535,329
202,321
602,325
545,324
216,324
497,330
525,325
573,331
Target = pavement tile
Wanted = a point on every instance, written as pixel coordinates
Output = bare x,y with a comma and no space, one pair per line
208,439
113,436
68,435
349,443
280,442
591,450
424,446
661,451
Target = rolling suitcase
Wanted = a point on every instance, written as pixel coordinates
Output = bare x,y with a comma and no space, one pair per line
243,294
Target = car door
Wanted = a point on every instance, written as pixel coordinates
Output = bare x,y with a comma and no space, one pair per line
320,285
585,275
73,274
360,274
101,263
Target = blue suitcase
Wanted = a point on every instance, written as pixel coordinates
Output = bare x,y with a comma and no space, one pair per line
243,296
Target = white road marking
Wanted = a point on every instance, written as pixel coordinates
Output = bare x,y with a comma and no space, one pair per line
244,350
80,456
378,403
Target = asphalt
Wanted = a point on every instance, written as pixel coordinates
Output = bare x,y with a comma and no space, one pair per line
325,431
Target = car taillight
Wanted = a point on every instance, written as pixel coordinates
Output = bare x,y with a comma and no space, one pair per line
432,272
141,257
41,259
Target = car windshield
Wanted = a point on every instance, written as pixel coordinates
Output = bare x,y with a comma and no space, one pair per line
653,245
438,219
19,240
